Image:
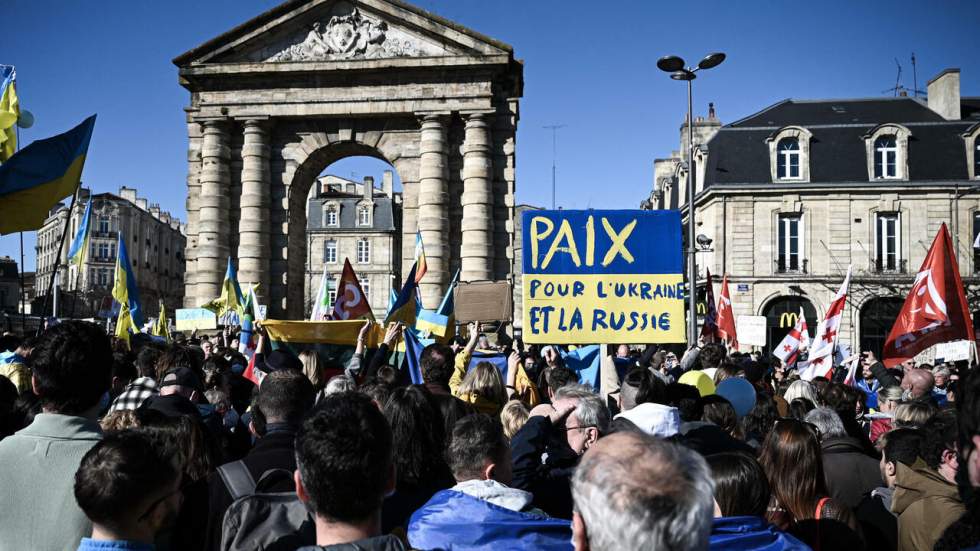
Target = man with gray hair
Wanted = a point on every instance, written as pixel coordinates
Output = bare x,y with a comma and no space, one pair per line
547,448
847,471
633,491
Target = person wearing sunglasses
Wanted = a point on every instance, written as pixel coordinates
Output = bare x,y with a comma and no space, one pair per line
130,488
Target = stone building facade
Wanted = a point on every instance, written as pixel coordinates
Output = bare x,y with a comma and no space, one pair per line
276,100
154,240
355,221
9,285
792,195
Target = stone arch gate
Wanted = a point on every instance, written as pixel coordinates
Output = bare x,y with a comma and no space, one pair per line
277,99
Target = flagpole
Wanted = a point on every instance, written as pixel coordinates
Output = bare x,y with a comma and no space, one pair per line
61,243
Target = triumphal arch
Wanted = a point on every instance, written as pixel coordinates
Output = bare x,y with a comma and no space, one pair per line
277,99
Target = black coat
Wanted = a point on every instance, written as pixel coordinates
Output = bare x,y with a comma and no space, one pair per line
275,450
848,472
549,481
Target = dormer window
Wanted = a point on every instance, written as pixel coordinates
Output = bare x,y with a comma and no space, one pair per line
886,157
789,154
788,159
972,139
364,215
887,149
331,216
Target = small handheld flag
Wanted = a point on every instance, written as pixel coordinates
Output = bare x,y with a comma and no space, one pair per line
231,294
821,359
726,317
403,309
421,266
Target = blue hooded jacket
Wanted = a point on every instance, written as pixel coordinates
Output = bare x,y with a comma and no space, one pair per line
750,533
452,520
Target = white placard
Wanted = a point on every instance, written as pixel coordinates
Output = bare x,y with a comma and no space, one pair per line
953,351
751,330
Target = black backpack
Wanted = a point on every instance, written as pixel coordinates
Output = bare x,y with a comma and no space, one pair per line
257,520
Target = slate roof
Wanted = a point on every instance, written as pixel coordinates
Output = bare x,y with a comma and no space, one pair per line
383,219
739,154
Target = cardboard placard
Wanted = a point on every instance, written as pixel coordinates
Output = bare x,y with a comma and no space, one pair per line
483,301
603,276
751,330
953,351
188,319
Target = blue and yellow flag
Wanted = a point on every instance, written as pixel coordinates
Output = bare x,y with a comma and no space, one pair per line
79,245
125,291
40,175
162,327
231,299
9,111
442,322
404,308
421,266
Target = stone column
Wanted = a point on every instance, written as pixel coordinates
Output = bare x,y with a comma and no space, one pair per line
254,248
212,245
476,252
193,194
433,208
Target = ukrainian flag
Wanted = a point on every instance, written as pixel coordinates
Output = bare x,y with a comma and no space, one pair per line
9,112
162,326
125,291
420,263
79,245
40,175
403,309
439,321
231,299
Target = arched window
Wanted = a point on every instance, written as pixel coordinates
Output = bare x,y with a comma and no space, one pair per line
782,313
363,251
886,157
330,252
788,159
878,315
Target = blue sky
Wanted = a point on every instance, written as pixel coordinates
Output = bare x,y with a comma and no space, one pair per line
588,65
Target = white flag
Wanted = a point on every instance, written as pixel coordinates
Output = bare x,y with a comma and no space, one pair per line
321,304
821,358
793,343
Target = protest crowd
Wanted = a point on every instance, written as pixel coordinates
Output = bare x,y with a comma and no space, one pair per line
173,445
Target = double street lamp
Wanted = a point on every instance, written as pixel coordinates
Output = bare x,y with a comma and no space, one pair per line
675,66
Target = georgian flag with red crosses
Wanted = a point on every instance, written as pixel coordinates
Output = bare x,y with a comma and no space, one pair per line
795,342
821,359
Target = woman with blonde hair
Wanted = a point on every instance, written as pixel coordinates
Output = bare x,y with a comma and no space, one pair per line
484,388
801,389
513,417
312,368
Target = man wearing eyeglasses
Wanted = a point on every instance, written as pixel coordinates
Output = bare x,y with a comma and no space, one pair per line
130,488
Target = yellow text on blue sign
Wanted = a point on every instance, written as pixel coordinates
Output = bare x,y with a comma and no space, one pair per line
602,276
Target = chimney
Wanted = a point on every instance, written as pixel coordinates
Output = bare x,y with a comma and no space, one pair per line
386,184
711,111
352,189
368,188
944,94
128,194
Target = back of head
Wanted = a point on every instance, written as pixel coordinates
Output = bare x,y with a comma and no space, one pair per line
146,361
799,407
827,422
633,491
591,411
741,487
791,459
968,411
418,434
344,456
912,414
513,417
901,445
476,441
711,355
801,389
719,411
340,383
285,396
639,387
940,434
560,376
686,399
436,364
889,394
311,367
120,475
72,365
836,397
178,356
484,380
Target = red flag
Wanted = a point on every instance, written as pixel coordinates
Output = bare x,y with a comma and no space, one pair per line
351,303
935,310
709,331
726,317
253,373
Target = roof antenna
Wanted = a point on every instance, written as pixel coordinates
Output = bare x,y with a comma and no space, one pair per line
898,77
915,79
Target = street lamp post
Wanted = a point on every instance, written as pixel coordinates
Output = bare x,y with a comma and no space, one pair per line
675,66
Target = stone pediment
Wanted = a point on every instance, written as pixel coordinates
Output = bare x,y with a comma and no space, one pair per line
342,30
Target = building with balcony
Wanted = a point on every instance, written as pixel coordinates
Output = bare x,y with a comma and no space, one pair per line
155,242
355,221
792,195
